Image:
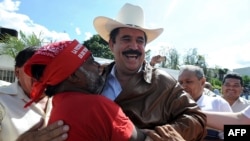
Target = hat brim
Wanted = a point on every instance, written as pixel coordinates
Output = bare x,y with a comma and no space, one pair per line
105,25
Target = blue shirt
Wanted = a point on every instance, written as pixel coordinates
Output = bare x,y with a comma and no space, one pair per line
112,87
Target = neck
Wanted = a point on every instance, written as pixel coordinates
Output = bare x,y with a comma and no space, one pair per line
230,100
122,77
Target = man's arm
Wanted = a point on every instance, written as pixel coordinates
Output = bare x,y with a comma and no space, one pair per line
219,119
157,59
137,135
54,132
165,133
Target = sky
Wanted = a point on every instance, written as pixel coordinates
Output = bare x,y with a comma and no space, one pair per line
218,29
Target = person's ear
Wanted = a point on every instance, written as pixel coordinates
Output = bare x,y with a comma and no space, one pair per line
203,81
17,72
111,45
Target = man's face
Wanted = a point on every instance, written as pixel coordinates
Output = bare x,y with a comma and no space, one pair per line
231,89
191,84
90,75
129,50
24,80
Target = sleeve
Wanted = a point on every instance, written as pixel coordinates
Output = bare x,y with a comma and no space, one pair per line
122,126
246,112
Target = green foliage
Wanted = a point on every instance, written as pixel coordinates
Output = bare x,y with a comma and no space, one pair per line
216,83
221,73
193,58
99,47
172,59
12,45
246,80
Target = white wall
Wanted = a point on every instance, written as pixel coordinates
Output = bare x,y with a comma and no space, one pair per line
6,62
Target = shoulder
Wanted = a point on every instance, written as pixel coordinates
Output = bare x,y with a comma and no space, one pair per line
243,100
246,112
3,83
9,89
76,98
209,93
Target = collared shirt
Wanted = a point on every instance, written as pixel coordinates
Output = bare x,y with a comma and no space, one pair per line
246,112
112,87
213,103
240,104
14,118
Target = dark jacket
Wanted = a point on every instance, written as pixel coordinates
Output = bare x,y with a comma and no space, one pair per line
154,98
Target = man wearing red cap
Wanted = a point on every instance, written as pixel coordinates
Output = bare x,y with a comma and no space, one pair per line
151,98
67,71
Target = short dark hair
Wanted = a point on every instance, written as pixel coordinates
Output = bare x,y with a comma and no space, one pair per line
24,55
234,76
115,32
37,72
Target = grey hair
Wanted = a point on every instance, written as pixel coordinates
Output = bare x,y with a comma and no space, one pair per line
199,73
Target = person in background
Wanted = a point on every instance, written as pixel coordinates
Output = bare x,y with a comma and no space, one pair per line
150,97
14,118
208,89
157,59
217,92
192,79
208,86
75,88
219,119
232,87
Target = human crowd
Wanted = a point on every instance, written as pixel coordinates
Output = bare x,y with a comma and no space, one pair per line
62,93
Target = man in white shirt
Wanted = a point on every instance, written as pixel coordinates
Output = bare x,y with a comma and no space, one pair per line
232,87
192,79
14,118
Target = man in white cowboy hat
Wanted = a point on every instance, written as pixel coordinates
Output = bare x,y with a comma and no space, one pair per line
151,98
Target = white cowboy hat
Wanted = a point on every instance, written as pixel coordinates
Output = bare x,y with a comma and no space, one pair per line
130,16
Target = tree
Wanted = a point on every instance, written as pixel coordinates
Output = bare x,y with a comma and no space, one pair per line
172,59
99,47
12,45
246,80
193,58
147,55
222,72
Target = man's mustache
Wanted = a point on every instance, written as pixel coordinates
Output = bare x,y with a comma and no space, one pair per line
131,51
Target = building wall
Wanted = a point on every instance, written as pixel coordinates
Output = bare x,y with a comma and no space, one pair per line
243,71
